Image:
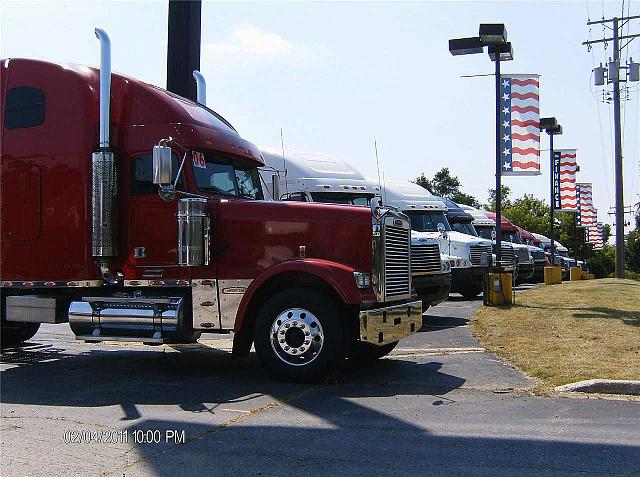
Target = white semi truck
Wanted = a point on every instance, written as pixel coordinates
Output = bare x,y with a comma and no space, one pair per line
315,177
429,219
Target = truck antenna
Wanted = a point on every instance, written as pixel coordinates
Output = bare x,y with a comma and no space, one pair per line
380,184
284,162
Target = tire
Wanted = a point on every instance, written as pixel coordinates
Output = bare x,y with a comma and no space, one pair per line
16,333
471,292
363,351
284,323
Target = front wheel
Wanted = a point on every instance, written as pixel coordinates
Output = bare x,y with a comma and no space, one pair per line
15,333
300,335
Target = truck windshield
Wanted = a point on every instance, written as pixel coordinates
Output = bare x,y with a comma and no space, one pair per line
484,231
464,228
342,198
511,236
427,221
224,177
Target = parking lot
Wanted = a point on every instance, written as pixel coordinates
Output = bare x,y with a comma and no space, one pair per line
438,405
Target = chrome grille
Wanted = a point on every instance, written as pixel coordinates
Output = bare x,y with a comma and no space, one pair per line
397,280
425,258
508,255
538,255
523,255
477,251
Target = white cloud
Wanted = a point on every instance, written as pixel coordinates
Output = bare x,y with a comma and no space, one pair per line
253,40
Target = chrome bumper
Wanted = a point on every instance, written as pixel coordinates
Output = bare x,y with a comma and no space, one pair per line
389,324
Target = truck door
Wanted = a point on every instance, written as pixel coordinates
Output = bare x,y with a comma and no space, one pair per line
152,227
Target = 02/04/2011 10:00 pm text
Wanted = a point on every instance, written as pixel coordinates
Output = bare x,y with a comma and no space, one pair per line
123,436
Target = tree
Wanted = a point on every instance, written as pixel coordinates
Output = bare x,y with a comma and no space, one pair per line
632,250
422,181
444,184
506,203
530,213
466,199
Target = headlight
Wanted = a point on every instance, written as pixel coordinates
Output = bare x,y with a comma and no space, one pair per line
363,280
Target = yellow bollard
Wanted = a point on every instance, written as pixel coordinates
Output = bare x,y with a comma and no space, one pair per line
548,275
500,289
575,274
557,275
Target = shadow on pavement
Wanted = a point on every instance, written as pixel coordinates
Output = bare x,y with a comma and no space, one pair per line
188,379
345,438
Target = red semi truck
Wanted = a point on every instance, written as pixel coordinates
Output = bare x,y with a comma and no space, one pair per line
135,214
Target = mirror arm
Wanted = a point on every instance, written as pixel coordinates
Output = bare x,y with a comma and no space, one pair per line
184,159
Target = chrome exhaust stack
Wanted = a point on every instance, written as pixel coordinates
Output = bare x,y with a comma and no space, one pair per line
103,173
201,87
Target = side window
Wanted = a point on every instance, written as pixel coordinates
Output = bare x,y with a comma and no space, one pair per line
142,175
295,197
24,107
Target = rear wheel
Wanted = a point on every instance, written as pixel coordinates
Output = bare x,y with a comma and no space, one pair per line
364,351
15,333
300,335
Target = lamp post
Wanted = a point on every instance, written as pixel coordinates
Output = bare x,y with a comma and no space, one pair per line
552,128
493,36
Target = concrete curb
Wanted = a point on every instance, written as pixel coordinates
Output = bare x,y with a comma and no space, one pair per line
603,386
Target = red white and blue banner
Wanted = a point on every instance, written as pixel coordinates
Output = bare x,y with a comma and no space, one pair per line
586,215
596,236
564,180
520,117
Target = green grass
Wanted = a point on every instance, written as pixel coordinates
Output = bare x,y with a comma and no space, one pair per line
565,333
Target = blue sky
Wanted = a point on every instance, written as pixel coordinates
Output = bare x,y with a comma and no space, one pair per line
335,75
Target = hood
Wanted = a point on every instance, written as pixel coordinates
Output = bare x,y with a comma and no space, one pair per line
263,233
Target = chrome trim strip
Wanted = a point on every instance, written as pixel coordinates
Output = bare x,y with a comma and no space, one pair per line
50,283
158,283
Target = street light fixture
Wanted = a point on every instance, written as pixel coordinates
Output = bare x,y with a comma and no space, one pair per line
493,36
552,128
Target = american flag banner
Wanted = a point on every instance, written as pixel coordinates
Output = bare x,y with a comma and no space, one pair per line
596,236
564,180
585,217
520,117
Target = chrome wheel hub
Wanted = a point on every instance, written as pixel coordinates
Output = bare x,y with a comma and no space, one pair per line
296,336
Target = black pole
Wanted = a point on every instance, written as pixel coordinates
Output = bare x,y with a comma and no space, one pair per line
183,46
553,200
498,169
618,159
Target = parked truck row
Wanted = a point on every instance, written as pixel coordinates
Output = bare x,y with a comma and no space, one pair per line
134,214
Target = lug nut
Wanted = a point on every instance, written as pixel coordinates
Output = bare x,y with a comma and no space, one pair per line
294,351
306,342
281,341
286,348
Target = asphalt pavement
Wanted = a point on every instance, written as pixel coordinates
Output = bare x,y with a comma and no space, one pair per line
439,405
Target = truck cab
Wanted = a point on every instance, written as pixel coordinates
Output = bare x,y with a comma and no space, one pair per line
561,257
485,228
314,177
539,259
510,234
134,214
429,219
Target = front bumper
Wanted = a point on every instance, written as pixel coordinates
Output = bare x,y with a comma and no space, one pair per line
538,271
525,271
466,279
389,324
432,289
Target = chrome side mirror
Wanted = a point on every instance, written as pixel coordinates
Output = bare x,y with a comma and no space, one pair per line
162,172
442,230
493,235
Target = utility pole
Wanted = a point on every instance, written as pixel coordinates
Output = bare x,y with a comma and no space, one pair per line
615,77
